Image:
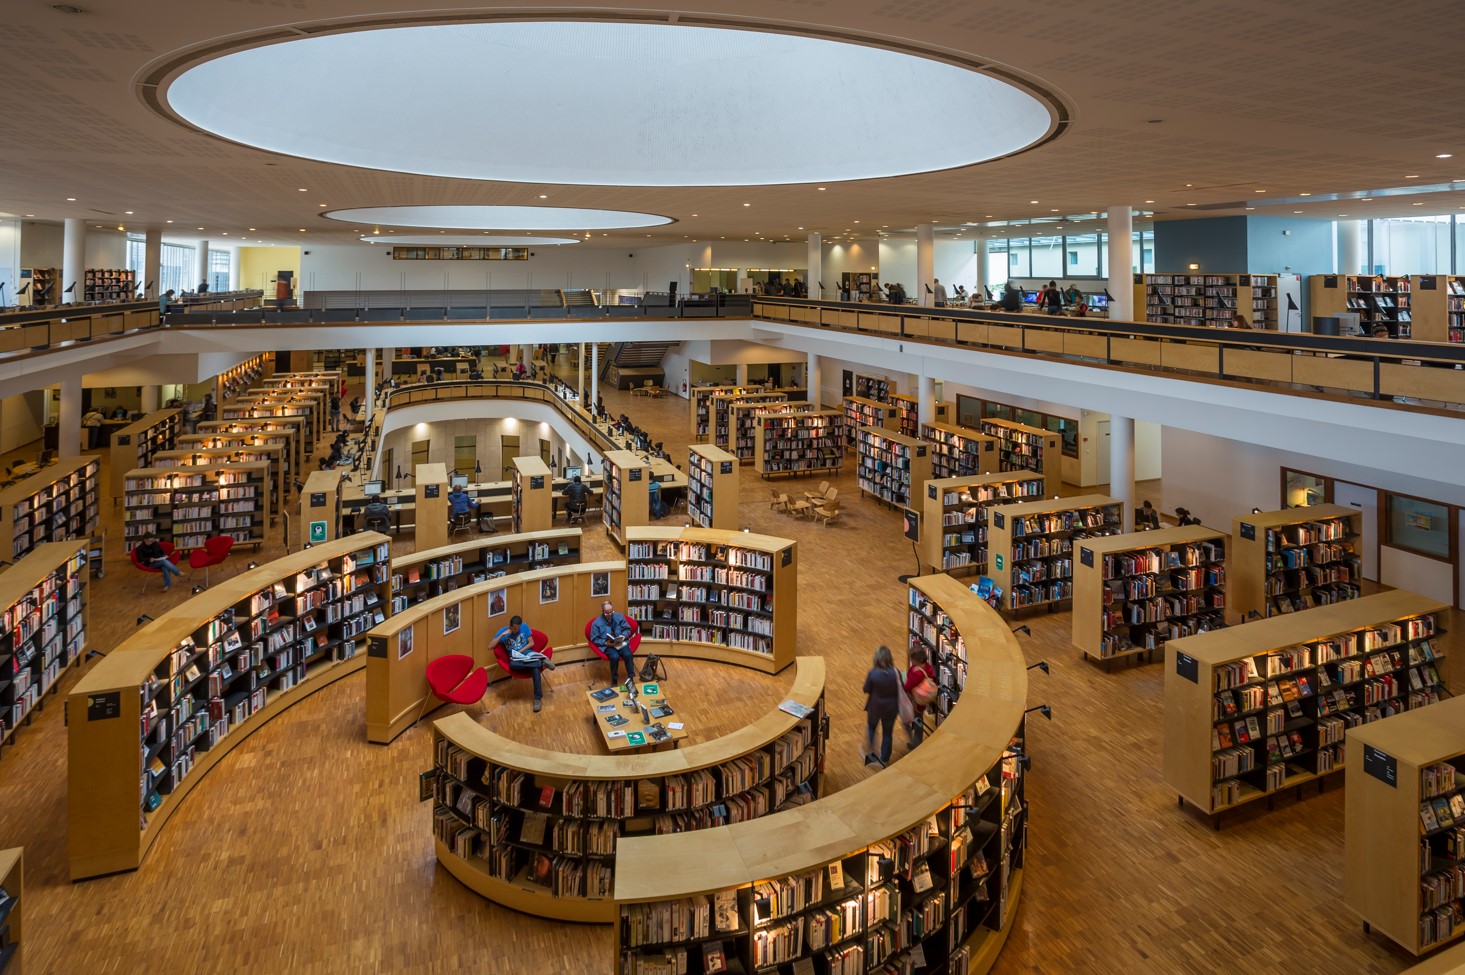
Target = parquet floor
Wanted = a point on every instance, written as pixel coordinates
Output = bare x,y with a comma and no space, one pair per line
307,851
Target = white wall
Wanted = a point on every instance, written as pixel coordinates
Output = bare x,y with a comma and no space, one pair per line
40,244
106,249
956,263
857,258
21,418
898,265
9,258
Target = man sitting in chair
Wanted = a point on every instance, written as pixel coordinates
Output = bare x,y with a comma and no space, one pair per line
611,632
518,641
576,499
460,502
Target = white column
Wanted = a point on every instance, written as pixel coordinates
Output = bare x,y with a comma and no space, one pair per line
742,378
814,379
387,355
925,262
526,356
68,419
580,376
73,263
1120,263
148,399
1350,246
152,263
594,374
980,246
1121,465
926,400
815,262
201,272
370,381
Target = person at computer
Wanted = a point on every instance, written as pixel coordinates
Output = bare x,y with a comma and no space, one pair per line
938,293
518,643
460,502
577,497
1072,295
1238,320
377,516
1051,300
611,632
150,553
1146,518
355,405
1011,298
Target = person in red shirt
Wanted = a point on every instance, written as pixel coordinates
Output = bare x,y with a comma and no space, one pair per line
920,686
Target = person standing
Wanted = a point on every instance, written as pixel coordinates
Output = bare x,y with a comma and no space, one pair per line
335,412
920,686
611,632
882,705
92,424
939,294
518,642
1051,299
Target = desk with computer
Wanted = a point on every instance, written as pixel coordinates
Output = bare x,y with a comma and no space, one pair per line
494,500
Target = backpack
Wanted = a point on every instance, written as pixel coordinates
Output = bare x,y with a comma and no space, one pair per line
924,692
652,669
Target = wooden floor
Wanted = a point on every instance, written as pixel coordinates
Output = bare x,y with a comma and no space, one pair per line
308,851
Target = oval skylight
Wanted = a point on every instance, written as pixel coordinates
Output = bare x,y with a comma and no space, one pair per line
474,217
599,103
468,240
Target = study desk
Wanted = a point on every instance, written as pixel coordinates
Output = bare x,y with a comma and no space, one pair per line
651,696
495,501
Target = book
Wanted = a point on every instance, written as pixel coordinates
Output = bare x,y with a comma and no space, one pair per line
546,797
650,690
657,733
615,720
1427,817
635,738
796,709
836,875
661,711
604,694
532,831
713,959
648,795
605,709
921,879
725,911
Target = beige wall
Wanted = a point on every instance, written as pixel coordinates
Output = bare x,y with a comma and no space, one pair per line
258,267
442,436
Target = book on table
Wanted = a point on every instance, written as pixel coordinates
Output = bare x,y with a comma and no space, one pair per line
604,694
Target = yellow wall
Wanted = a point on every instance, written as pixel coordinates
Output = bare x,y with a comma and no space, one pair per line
258,265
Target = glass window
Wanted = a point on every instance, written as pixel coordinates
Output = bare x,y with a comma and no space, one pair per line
1301,489
1019,266
1073,259
1047,257
136,258
218,270
1031,418
1067,429
1412,245
968,410
178,268
1083,255
1419,526
999,411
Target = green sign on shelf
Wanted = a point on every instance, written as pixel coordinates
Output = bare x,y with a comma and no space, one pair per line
999,563
317,531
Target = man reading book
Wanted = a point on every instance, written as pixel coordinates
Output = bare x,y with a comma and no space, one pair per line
611,632
518,642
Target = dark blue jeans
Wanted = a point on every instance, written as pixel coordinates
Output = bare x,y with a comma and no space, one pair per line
887,724
534,667
616,657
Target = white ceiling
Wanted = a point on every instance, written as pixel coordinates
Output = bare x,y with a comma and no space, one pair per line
1219,105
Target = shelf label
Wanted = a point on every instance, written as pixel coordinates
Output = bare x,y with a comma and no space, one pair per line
1429,283
317,499
931,491
1248,532
1381,765
1086,556
999,520
1185,666
726,467
998,561
102,707
317,532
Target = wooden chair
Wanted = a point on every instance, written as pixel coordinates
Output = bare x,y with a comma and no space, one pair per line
828,513
800,508
819,494
779,502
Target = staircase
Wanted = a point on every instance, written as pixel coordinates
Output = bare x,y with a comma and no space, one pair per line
627,364
580,298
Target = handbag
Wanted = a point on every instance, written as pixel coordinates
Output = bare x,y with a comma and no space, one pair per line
924,692
652,669
907,709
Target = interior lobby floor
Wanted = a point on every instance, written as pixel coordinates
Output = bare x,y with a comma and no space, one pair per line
307,849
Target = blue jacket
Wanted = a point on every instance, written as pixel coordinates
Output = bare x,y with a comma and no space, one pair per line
516,643
602,630
460,502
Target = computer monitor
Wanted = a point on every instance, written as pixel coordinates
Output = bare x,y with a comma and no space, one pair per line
373,489
994,292
572,472
458,480
1099,302
1030,297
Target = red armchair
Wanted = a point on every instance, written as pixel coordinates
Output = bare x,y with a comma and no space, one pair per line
540,643
215,550
173,554
453,679
635,643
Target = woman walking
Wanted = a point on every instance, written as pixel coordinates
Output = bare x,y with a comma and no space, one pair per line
882,705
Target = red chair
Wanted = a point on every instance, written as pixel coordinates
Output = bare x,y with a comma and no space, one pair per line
173,554
635,643
453,679
215,550
540,642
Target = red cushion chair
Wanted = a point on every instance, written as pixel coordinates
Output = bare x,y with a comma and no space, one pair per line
540,642
173,555
453,679
215,550
635,643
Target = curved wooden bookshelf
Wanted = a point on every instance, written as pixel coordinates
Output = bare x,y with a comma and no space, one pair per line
457,564
464,732
105,708
969,744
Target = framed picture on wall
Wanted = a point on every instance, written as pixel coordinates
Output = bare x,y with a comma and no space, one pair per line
599,584
404,642
498,602
549,591
452,618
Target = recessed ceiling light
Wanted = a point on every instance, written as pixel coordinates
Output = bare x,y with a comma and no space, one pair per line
30,214
71,199
1190,204
1296,211
821,189
302,230
128,212
747,204
1444,155
1344,214
1417,204
251,229
200,228
1251,208
1149,201
1365,199
1411,177
856,221
1304,194
170,221
1032,201
1189,184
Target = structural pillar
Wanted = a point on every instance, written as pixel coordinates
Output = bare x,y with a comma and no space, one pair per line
73,263
68,417
526,356
926,400
202,271
742,377
1121,466
148,399
580,377
1350,246
814,380
370,381
815,263
594,374
980,244
925,262
152,263
1120,262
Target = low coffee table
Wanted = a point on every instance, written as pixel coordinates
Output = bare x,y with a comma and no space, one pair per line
651,696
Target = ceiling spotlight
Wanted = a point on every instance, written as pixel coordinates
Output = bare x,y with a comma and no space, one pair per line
303,190
71,199
128,212
1444,155
302,230
251,229
821,189
1296,211
1149,201
747,204
1259,191
170,221
1032,201
320,204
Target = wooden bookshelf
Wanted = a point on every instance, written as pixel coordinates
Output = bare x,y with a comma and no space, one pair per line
134,445
141,711
320,501
877,388
799,444
309,409
1402,825
492,796
961,825
954,516
293,426
430,505
533,492
109,284
701,408
419,576
1375,299
1437,305
12,889
54,504
271,455
557,600
1030,545
712,487
188,505
1293,686
960,451
862,412
892,468
627,503
1204,299
1133,592
907,414
721,404
1295,558
283,439
745,420
1024,448
732,591
42,290
43,617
